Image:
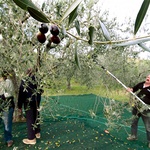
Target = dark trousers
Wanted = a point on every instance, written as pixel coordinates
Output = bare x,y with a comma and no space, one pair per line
146,119
32,119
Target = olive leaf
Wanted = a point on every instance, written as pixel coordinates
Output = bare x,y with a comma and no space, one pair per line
91,34
24,4
144,47
71,8
77,57
133,42
141,15
73,15
33,10
105,31
77,26
63,30
43,6
38,15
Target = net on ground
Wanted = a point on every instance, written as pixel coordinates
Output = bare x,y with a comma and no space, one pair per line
80,122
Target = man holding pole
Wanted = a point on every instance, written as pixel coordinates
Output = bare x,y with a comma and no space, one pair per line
140,110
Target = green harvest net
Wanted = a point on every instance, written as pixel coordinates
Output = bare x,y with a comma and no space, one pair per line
80,122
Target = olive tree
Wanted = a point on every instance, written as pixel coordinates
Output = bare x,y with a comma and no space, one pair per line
85,35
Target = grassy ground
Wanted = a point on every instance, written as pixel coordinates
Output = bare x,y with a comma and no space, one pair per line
76,89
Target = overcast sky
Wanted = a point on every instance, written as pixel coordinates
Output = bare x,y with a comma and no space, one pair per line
124,9
121,8
117,8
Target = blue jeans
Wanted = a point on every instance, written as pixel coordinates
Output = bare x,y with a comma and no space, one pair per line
7,117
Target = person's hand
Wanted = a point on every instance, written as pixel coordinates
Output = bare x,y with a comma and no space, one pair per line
129,89
20,110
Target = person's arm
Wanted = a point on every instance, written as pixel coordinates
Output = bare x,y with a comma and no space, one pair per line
138,87
135,88
20,103
1,88
21,96
9,88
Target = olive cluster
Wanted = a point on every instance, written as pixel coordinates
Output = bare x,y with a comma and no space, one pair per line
41,35
54,30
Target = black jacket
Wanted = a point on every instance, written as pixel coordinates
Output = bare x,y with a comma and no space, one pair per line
28,93
143,93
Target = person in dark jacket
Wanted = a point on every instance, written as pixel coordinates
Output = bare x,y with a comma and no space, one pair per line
30,97
140,110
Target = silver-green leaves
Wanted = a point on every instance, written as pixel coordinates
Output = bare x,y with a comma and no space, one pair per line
77,26
91,34
34,11
73,15
76,56
24,4
141,15
144,47
37,14
71,8
133,42
105,31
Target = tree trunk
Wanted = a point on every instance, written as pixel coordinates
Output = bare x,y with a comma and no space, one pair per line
69,84
17,116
